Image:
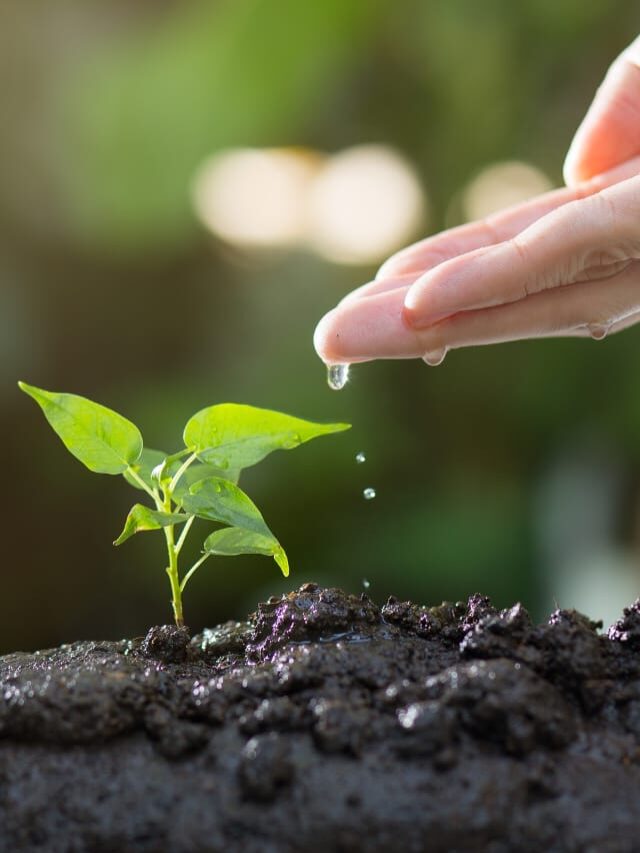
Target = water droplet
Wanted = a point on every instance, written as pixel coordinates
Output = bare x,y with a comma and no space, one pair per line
369,494
433,359
365,583
597,332
337,376
360,458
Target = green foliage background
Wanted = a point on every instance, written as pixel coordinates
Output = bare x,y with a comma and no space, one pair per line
110,289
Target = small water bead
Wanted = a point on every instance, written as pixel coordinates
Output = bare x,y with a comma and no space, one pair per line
369,494
433,359
337,376
365,583
360,458
597,332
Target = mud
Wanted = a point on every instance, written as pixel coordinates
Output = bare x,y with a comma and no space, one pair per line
326,723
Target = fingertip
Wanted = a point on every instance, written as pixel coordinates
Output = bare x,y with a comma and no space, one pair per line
391,267
326,337
573,172
423,302
403,262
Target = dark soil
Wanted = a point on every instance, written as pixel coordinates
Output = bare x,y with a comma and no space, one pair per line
325,723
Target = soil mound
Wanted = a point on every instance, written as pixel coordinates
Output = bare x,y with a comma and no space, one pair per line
326,723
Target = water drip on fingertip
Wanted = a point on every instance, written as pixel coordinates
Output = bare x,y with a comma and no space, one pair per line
597,331
337,376
434,358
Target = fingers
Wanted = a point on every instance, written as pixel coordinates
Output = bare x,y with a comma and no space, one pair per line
427,254
590,238
375,328
592,308
610,132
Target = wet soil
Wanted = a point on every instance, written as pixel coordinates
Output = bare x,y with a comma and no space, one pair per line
326,723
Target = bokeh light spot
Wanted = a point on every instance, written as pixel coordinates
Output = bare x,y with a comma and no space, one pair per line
256,197
366,203
501,185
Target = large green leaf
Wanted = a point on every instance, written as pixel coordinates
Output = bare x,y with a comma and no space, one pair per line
234,436
101,439
216,499
143,518
233,541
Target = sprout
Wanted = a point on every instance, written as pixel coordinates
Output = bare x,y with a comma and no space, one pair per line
199,481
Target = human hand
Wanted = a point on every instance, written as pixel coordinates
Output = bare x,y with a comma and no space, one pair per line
565,263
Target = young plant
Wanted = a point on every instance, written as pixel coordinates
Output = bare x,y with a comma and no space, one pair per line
200,481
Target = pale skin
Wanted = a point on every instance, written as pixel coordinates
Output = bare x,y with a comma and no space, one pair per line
566,263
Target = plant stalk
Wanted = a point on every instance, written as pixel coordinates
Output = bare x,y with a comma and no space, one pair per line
174,578
172,568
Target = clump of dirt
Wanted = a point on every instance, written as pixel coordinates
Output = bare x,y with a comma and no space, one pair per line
327,723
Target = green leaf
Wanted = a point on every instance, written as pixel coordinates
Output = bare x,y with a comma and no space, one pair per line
216,499
142,518
101,439
147,461
234,436
199,471
232,541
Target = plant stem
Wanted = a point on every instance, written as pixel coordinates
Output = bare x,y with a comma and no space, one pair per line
156,498
195,566
164,504
183,535
174,578
176,479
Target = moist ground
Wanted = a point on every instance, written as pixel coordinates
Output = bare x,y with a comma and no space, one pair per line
326,723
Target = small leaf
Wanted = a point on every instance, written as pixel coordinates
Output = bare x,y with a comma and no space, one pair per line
231,435
144,466
197,472
101,439
217,499
143,518
232,541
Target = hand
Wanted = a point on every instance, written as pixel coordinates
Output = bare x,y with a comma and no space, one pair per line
565,263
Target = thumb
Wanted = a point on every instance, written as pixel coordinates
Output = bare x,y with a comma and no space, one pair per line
610,132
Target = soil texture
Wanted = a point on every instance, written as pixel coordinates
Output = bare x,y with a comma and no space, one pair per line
328,724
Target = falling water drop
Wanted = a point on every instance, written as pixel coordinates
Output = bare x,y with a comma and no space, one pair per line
360,458
337,376
365,583
369,494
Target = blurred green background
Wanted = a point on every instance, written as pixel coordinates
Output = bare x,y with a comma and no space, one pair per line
510,470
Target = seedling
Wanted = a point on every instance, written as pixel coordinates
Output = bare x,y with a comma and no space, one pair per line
200,481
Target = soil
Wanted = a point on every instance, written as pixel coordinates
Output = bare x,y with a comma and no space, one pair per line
326,723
